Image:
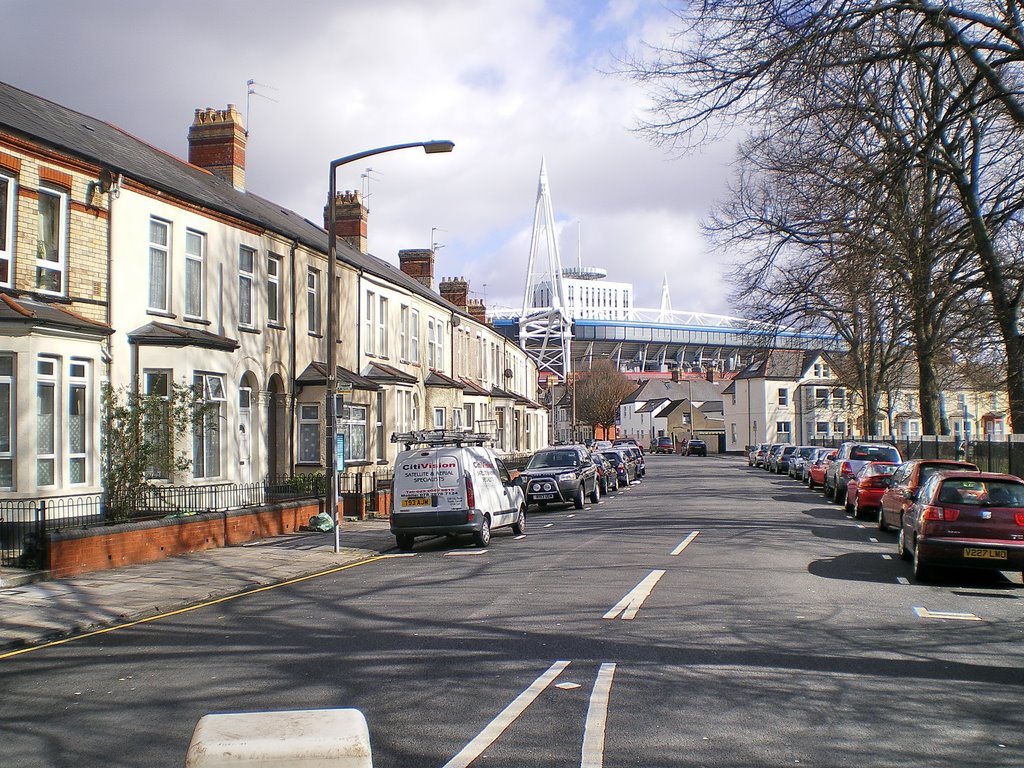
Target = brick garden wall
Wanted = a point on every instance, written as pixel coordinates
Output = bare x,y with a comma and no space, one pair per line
74,552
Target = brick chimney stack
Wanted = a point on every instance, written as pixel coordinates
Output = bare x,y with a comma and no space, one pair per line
477,310
216,142
418,264
350,220
455,290
712,374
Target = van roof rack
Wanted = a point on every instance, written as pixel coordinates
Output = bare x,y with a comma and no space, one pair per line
440,437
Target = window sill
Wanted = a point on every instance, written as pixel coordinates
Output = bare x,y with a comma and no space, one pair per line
161,313
196,320
309,464
276,326
253,331
315,335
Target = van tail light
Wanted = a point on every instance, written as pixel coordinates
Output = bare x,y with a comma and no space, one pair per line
470,495
940,513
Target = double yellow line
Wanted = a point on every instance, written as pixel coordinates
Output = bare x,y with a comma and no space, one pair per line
148,619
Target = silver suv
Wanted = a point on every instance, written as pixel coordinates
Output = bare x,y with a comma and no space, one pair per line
851,457
561,474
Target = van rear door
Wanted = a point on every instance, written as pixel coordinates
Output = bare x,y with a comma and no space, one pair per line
429,479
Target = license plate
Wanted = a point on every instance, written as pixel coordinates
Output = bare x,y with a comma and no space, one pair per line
543,495
415,502
985,554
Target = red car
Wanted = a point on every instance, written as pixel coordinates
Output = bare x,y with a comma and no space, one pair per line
910,476
965,520
865,489
816,469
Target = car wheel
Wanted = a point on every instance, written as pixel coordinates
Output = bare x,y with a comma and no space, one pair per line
404,541
901,543
881,521
577,500
810,482
921,571
483,537
595,495
519,526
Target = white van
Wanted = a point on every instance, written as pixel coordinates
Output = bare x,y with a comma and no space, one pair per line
452,484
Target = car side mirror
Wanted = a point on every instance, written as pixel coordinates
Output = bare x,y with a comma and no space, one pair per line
909,495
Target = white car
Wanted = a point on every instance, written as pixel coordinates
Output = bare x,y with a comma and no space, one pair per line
452,484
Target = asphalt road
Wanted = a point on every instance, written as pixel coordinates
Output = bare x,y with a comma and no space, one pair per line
711,615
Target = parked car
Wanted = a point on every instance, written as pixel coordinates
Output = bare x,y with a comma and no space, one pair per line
817,467
624,465
773,450
696,447
448,487
663,445
779,461
608,478
755,456
602,445
910,476
625,442
865,489
965,520
796,461
851,457
638,457
563,474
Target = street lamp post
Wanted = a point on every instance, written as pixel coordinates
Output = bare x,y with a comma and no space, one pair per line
430,147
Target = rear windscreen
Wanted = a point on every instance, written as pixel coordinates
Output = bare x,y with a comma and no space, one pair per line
981,493
874,453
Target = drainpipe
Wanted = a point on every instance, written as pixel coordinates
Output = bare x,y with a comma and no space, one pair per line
294,376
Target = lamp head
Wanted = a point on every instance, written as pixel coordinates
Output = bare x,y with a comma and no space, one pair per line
437,146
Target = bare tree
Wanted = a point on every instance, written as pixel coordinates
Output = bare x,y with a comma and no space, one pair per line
598,392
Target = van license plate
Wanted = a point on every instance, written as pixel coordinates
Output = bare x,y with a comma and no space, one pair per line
418,502
984,554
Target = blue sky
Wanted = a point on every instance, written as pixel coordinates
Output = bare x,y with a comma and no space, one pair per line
509,83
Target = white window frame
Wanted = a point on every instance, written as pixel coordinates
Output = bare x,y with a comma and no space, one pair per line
441,331
309,433
78,392
439,418
313,301
8,235
469,409
246,276
352,424
456,419
195,274
159,278
783,397
156,382
8,378
414,336
382,326
403,333
44,264
784,428
207,445
431,343
379,428
47,377
369,309
273,289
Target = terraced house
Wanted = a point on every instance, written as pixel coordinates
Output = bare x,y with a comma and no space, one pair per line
120,263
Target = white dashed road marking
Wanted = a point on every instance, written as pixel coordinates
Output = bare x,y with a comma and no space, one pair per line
684,543
597,718
924,613
631,603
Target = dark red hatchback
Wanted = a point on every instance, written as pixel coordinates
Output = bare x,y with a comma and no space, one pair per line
965,520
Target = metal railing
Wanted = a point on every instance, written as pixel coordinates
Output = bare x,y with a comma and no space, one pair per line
24,523
991,455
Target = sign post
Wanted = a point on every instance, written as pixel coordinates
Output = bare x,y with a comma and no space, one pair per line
339,453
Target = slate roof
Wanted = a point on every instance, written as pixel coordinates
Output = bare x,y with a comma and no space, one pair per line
166,335
316,373
388,374
15,310
85,137
437,379
472,388
782,364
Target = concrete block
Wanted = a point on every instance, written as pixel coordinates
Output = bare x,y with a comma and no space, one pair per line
311,738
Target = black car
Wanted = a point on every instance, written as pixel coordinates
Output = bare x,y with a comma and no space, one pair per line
609,480
696,447
561,474
623,463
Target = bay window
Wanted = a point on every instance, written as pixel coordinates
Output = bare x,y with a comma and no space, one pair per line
206,442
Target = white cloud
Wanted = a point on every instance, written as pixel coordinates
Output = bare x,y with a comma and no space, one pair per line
508,82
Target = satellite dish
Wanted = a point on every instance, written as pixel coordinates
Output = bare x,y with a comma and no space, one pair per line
508,373
108,181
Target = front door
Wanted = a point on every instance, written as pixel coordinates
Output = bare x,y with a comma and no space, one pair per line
244,437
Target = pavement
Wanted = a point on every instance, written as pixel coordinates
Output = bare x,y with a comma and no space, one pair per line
34,610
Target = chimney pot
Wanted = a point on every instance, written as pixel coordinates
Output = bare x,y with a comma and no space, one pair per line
216,142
